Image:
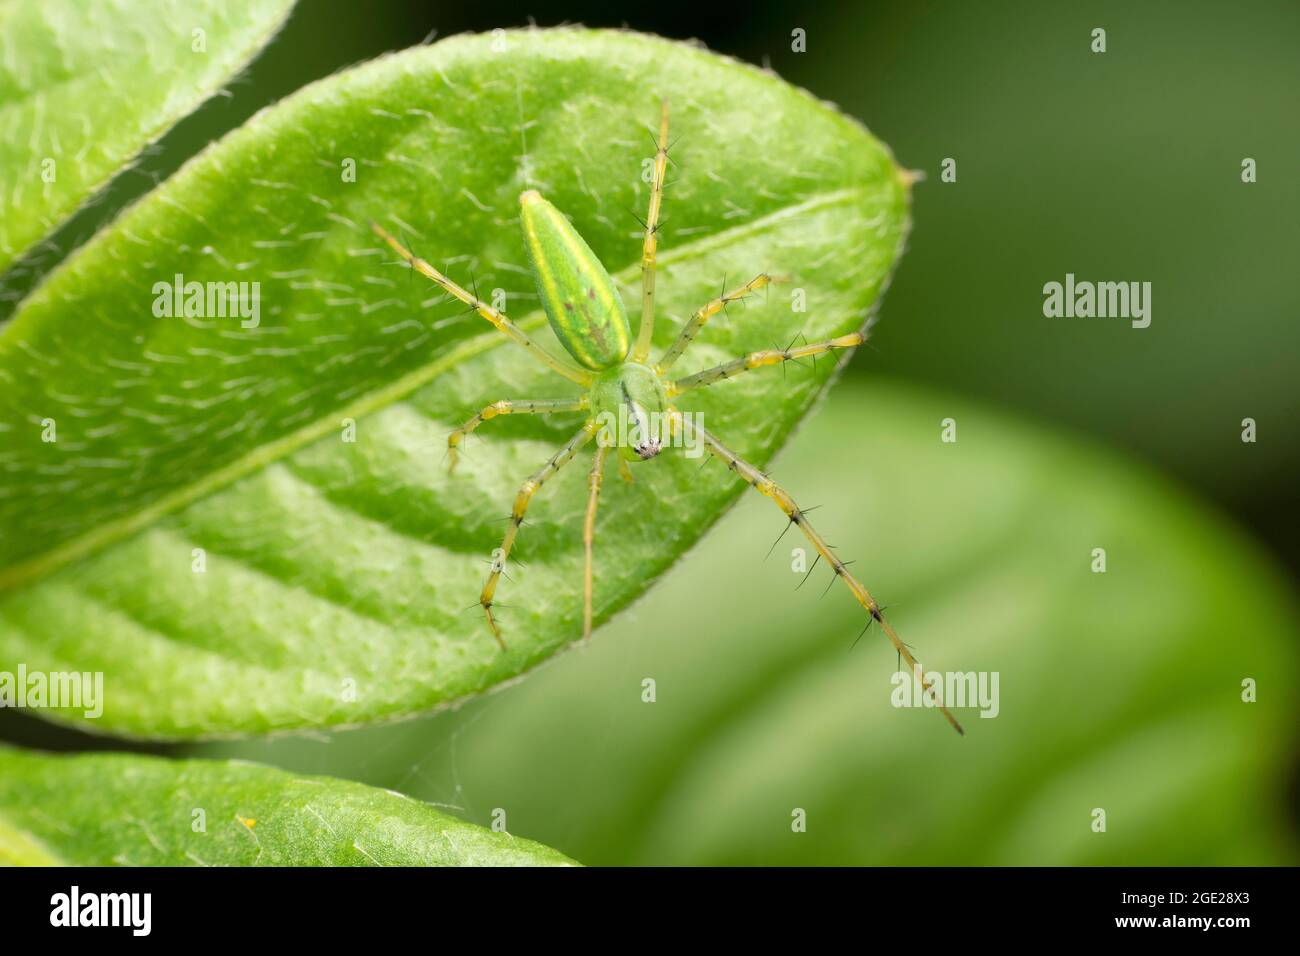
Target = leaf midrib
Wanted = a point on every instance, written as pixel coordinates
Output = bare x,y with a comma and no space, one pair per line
123,527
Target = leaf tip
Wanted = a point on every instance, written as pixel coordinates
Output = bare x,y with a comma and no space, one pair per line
909,177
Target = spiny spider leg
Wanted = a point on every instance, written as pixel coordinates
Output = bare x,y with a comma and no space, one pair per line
650,246
525,495
506,406
770,489
755,360
589,534
504,325
702,316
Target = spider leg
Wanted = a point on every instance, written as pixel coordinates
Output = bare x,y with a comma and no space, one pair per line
506,406
650,246
770,489
589,535
753,360
502,324
702,315
522,500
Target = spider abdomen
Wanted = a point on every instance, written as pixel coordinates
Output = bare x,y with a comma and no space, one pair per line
583,306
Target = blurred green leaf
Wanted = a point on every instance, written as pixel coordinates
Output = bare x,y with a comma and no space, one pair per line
1119,690
53,811
85,86
338,573
1100,184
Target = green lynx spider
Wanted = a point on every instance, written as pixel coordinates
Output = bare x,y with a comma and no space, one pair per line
587,315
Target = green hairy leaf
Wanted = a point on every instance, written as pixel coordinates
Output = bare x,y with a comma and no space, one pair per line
245,522
210,813
85,86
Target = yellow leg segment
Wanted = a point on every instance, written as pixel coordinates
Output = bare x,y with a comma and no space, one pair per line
649,248
770,489
502,324
760,359
541,406
701,317
522,499
589,535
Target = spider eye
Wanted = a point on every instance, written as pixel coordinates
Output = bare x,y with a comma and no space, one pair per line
649,449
